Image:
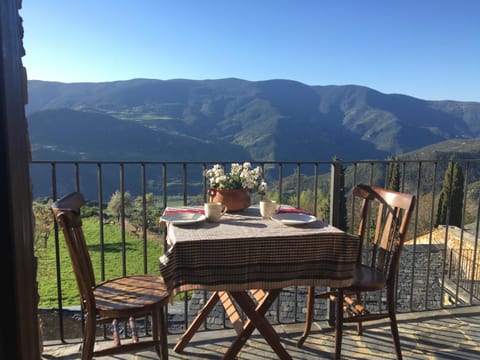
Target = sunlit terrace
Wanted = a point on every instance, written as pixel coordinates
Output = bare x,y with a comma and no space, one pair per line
437,293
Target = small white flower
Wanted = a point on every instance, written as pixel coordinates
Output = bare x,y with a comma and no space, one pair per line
241,176
263,187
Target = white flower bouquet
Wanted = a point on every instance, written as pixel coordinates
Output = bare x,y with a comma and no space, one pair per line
241,176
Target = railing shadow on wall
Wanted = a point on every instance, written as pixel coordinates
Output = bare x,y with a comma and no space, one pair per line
144,189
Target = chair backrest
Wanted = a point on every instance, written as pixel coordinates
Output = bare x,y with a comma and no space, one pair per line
385,233
67,213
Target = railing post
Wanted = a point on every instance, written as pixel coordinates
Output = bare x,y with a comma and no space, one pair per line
335,186
335,191
450,265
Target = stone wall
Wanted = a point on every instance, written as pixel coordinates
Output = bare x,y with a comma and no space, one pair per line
419,285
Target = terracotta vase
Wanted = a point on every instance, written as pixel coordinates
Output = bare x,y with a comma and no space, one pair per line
234,200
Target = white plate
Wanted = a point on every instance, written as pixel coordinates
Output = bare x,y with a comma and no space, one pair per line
183,218
294,218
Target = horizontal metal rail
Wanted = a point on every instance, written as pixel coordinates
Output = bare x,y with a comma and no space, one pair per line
429,264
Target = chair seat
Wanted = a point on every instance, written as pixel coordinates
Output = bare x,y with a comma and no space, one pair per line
130,292
367,279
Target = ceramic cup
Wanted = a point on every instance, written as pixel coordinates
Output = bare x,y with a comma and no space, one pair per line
214,211
268,208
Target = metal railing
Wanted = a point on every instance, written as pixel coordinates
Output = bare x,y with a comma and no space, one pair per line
323,188
464,272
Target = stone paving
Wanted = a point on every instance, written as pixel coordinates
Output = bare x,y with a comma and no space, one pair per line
440,334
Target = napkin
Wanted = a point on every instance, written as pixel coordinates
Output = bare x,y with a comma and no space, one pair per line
284,210
180,210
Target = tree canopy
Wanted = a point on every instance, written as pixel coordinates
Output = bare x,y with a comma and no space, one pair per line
450,204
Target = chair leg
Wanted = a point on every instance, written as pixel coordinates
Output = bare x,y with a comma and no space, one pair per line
159,333
339,325
155,330
133,328
393,323
89,338
163,329
359,324
308,315
116,333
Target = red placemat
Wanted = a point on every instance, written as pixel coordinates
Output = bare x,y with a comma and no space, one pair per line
191,211
283,210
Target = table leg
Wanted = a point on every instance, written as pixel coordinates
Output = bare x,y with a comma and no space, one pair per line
231,311
256,319
199,319
258,294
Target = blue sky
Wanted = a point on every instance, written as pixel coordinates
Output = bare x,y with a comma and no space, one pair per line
429,49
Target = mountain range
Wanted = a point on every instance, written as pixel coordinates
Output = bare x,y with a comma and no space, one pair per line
235,120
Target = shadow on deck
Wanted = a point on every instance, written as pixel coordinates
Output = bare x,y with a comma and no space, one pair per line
439,334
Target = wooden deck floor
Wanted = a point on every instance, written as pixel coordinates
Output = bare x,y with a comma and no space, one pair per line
443,334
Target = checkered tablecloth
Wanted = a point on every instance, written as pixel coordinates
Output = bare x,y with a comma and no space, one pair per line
244,251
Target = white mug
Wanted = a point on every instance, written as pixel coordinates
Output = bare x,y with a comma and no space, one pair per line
268,208
214,211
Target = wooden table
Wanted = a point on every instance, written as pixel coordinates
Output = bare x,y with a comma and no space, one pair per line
244,252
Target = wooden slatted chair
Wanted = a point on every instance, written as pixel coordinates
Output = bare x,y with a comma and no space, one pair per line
123,298
382,238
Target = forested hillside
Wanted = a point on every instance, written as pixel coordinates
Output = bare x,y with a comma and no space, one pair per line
233,120
278,120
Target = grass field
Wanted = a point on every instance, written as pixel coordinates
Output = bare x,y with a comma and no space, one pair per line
47,275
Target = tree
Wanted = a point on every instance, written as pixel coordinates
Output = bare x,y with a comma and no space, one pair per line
114,206
151,212
307,200
307,203
393,175
323,206
43,222
450,202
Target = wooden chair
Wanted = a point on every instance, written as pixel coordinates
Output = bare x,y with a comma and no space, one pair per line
381,242
124,298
